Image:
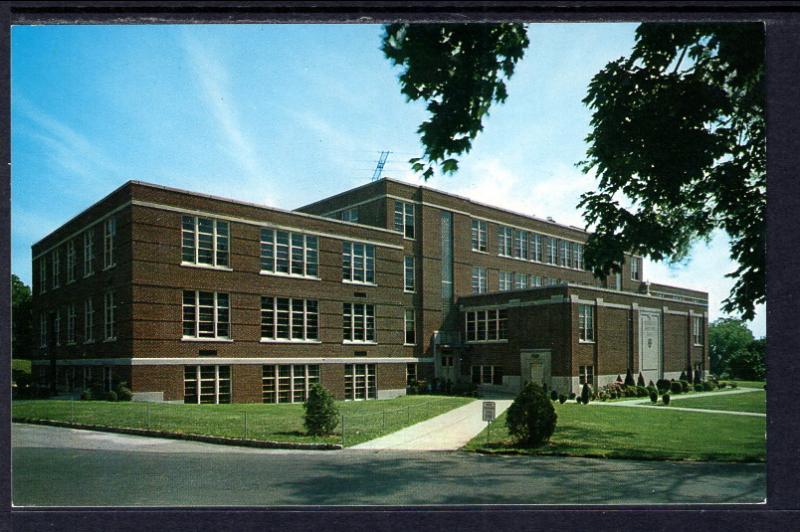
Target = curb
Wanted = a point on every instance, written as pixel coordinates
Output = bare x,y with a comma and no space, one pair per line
263,444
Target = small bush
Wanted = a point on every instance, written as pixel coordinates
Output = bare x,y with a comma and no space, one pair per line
123,392
683,376
531,418
554,395
684,386
578,399
619,378
86,395
629,378
698,387
736,385
321,414
662,385
562,398
572,395
586,394
111,395
640,380
641,391
653,396
697,379
676,387
665,398
689,376
723,384
630,391
708,386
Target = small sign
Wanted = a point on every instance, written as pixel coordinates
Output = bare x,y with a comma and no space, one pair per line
488,410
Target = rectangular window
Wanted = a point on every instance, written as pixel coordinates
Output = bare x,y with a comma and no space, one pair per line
287,383
504,241
478,235
42,274
55,256
88,252
205,241
586,375
349,215
358,322
521,244
586,323
487,375
109,232
698,330
286,253
478,280
487,325
411,374
360,382
577,256
409,327
88,321
358,262
43,329
206,315
505,281
72,264
536,280
71,318
564,255
536,247
109,323
207,384
408,274
636,269
404,218
520,281
57,327
551,250
289,319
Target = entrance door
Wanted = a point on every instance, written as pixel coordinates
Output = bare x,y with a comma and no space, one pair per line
447,368
535,366
650,345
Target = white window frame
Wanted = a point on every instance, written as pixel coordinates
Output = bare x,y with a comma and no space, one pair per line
273,311
55,257
409,320
349,215
535,247
478,280
505,281
698,337
370,385
88,252
109,234
520,250
88,321
365,320
198,383
277,383
492,372
349,263
478,238
216,238
43,329
215,310
42,274
636,269
586,375
309,247
71,262
57,326
505,241
520,281
488,326
404,219
577,256
409,274
552,250
71,323
586,328
109,316
564,249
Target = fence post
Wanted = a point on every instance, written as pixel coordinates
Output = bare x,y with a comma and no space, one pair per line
342,430
245,425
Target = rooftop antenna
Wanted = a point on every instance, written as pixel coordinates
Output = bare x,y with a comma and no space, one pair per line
381,162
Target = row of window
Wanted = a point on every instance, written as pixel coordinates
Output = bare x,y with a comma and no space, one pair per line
50,324
487,325
509,280
71,266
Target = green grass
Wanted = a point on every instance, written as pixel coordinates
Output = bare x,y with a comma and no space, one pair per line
640,433
740,402
363,420
747,384
20,364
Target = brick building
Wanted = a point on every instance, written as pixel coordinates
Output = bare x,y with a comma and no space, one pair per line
194,298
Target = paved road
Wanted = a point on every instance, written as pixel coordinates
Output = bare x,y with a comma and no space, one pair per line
57,466
446,432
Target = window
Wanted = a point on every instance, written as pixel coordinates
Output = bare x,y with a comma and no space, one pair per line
358,322
71,318
536,280
408,274
478,235
404,218
359,382
478,280
289,319
577,256
207,384
586,375
206,315
43,329
358,262
109,232
287,383
636,269
487,325
505,281
447,361
56,268
205,241
487,375
349,215
520,281
71,262
586,323
698,330
286,253
409,327
521,244
42,274
109,323
551,250
536,247
564,255
504,241
57,327
88,252
88,321
411,374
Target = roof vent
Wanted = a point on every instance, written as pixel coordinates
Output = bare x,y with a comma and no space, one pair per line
550,219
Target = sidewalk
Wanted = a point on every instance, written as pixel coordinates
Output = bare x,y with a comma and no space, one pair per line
446,432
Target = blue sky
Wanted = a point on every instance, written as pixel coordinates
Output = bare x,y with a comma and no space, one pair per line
288,114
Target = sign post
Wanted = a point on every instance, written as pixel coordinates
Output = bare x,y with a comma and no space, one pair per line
488,417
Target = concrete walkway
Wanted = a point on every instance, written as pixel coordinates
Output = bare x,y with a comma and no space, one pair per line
646,403
446,432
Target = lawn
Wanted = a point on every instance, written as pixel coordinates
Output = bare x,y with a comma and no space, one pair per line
21,364
363,420
640,433
740,402
747,384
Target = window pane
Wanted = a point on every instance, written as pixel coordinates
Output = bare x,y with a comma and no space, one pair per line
311,255
267,250
282,252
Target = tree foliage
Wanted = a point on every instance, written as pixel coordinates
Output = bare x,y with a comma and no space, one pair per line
678,129
531,418
22,341
734,351
459,70
321,414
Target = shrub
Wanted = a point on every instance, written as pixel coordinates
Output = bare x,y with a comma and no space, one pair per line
684,386
572,395
629,379
723,384
321,414
708,386
86,395
586,394
640,380
630,391
653,396
736,385
665,398
662,385
553,395
698,387
697,379
683,376
531,418
123,392
641,391
676,387
562,398
689,376
652,389
97,392
110,395
578,399
619,378
651,383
